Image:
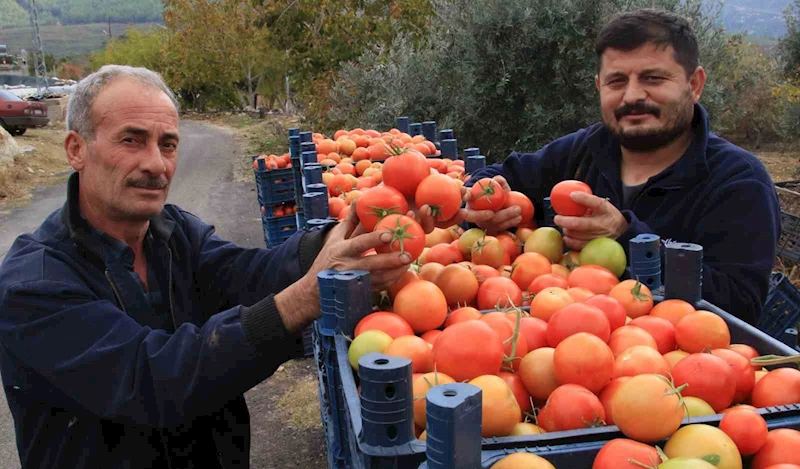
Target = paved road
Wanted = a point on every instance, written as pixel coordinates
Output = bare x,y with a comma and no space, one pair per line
203,185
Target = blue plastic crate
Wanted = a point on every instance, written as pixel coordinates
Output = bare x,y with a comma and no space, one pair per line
277,230
789,242
269,210
308,341
782,308
274,187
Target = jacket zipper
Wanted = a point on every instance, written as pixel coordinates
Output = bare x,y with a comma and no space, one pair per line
171,310
114,288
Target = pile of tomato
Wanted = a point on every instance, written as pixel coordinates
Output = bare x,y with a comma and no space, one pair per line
273,161
592,350
281,210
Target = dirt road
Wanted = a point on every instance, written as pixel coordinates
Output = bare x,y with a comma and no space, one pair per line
284,411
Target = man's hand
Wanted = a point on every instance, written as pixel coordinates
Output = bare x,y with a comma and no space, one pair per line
601,220
495,222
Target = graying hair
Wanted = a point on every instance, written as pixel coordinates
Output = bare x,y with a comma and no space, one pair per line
79,108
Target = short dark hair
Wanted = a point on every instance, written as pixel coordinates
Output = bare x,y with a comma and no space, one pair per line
632,29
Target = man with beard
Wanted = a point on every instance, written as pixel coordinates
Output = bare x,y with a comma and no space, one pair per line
655,166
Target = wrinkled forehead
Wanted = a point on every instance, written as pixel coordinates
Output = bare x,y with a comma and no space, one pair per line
127,102
646,57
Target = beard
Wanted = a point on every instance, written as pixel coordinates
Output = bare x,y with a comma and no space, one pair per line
677,118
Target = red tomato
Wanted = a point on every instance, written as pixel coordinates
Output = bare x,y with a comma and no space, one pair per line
747,352
778,387
528,266
511,245
487,194
389,323
340,184
607,395
746,428
780,448
547,280
415,349
616,454
441,193
629,336
584,359
505,329
572,407
455,354
593,277
574,318
613,309
535,332
444,254
639,360
431,336
407,235
661,330
562,202
422,305
484,272
523,202
743,372
467,313
379,202
405,172
498,292
518,388
335,206
710,378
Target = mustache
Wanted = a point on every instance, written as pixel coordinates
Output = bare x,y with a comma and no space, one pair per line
638,108
148,183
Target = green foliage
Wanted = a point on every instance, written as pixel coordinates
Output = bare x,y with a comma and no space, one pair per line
13,15
137,48
790,44
508,75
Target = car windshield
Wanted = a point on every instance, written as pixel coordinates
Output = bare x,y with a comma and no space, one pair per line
8,96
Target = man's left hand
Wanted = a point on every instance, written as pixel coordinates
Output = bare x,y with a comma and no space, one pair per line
602,219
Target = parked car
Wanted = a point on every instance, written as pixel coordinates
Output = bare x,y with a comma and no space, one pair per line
17,115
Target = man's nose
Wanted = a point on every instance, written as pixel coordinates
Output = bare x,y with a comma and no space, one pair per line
152,161
634,92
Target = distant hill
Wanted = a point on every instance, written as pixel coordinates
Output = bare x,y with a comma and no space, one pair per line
756,17
15,12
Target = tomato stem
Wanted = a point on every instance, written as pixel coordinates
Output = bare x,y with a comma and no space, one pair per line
636,291
768,360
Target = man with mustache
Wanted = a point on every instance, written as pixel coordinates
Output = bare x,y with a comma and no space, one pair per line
655,166
129,331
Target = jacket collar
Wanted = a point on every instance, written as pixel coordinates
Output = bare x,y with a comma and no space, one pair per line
89,238
692,167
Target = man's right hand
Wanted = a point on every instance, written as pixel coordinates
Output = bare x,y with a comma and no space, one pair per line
495,222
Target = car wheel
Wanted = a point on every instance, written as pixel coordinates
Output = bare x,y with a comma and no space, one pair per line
18,131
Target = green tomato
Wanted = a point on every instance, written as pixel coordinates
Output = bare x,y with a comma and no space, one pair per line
686,463
367,342
548,242
696,407
604,252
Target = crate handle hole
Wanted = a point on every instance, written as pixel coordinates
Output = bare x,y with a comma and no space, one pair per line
686,245
391,432
649,281
649,254
450,393
382,361
389,391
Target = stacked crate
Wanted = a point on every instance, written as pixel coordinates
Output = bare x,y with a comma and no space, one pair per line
275,192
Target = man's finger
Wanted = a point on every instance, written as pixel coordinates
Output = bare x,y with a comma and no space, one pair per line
507,225
357,245
460,216
574,244
574,223
383,262
503,183
386,278
579,235
506,214
426,219
351,220
593,202
479,216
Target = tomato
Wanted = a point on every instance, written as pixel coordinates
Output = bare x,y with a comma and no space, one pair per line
523,460
639,360
454,352
686,463
407,235
580,295
407,277
415,349
585,360
612,308
510,244
560,270
661,330
438,236
516,385
405,172
421,384
441,194
459,285
604,252
545,281
344,212
698,331
708,377
592,277
422,305
607,395
572,407
535,332
468,239
431,336
647,409
466,313
339,185
444,254
778,387
747,352
576,318
486,194
780,448
524,428
696,441
746,428
548,301
379,202
523,202
628,336
537,371
696,407
523,233
561,200
674,357
527,267
672,310
499,292
548,242
634,296
505,329
616,454
484,272
390,323
430,270
488,251
373,341
743,372
500,411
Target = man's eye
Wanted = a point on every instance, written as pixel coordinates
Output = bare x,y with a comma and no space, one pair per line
653,79
616,82
129,140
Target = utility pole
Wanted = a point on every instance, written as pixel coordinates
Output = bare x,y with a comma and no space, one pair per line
39,65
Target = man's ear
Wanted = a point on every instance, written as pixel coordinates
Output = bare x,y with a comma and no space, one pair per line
77,150
597,82
698,82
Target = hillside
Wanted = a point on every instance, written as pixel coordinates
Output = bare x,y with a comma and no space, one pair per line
81,11
69,40
760,18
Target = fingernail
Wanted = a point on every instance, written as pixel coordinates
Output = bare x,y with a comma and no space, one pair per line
405,257
386,237
517,210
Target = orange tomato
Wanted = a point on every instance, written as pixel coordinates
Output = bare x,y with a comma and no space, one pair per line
634,296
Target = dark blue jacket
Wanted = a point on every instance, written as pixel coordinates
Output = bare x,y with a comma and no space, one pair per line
97,378
716,195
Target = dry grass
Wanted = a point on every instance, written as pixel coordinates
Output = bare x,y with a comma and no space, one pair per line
46,164
299,405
